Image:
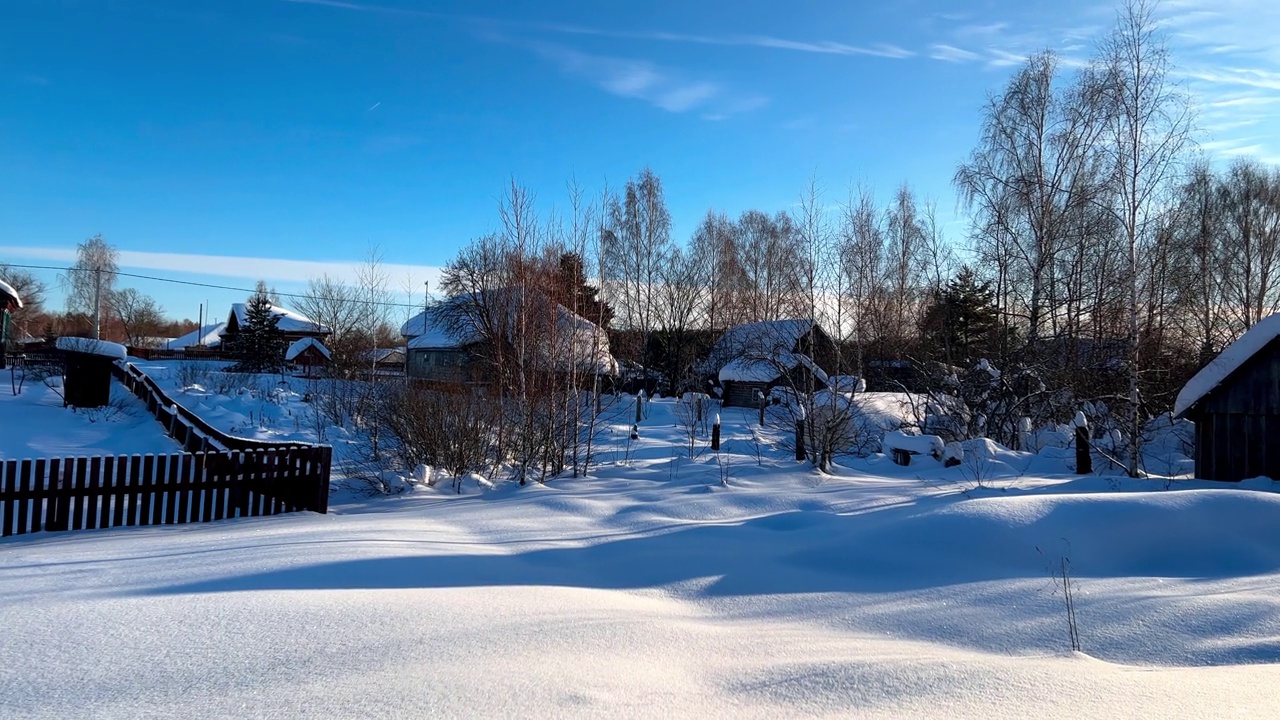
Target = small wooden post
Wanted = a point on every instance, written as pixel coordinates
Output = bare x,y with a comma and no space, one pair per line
639,406
760,397
1084,460
715,434
800,450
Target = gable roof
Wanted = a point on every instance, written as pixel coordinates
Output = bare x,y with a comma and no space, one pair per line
207,336
1227,362
290,321
299,346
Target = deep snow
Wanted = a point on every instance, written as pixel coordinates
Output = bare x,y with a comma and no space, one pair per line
650,589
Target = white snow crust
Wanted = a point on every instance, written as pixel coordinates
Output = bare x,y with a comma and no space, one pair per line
738,584
90,346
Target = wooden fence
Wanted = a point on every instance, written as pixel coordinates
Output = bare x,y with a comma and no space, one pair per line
125,490
188,428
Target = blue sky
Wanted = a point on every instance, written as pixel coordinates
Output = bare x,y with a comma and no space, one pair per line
225,141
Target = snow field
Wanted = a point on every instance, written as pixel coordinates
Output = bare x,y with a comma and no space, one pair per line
652,590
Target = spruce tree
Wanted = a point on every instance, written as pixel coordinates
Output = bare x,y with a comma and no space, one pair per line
260,344
962,321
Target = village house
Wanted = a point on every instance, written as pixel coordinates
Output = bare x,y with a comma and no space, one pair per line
449,342
293,326
751,359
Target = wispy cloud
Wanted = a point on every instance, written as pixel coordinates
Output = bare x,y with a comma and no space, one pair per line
826,47
1229,61
951,53
278,270
665,88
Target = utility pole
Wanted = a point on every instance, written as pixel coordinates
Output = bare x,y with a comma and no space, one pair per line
97,303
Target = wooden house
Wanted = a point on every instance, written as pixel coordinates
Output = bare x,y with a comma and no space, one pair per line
449,342
385,360
1235,404
757,357
293,326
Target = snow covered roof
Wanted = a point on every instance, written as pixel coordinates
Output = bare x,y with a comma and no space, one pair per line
569,335
384,354
290,321
7,289
414,326
207,336
299,346
769,336
1227,362
758,369
90,346
748,352
433,331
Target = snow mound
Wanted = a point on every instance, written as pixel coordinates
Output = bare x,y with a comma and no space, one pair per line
1188,533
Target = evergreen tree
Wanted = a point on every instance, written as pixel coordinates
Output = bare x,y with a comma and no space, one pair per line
961,323
260,344
569,288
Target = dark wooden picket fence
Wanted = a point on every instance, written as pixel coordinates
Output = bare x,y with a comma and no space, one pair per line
188,428
125,490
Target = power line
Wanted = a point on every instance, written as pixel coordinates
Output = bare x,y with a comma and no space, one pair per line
193,283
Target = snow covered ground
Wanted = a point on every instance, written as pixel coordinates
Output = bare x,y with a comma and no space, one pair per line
34,423
652,590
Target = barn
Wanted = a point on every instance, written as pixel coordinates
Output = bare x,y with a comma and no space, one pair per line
1235,404
756,357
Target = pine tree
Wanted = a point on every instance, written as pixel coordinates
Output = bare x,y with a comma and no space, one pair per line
260,344
962,322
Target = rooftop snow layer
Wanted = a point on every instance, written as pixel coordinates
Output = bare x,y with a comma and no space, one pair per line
207,336
1227,362
90,346
299,346
8,289
290,321
758,369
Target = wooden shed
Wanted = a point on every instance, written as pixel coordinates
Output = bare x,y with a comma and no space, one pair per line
87,374
1235,404
307,353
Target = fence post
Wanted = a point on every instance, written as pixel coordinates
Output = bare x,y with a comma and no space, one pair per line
715,434
1084,459
322,479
